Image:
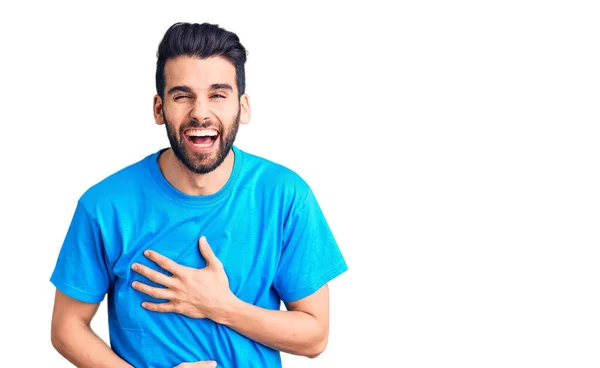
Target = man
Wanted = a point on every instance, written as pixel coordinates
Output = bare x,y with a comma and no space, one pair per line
197,245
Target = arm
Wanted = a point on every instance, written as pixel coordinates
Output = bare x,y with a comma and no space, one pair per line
73,337
205,293
301,330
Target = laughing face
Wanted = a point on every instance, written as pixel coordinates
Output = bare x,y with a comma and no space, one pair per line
201,110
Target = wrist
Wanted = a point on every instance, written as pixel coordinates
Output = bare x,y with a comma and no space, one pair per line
225,314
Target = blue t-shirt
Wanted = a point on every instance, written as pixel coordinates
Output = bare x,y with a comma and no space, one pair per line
265,226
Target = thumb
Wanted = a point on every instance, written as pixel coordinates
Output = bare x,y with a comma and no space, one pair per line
207,252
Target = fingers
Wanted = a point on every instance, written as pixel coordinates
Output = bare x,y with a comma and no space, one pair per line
155,292
158,277
164,262
202,364
208,254
159,307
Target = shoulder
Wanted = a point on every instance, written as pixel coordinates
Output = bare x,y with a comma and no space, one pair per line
265,175
121,186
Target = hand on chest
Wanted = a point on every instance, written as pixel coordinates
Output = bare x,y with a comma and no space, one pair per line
249,253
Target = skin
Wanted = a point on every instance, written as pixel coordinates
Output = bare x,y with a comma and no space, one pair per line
207,106
204,293
74,339
198,293
303,329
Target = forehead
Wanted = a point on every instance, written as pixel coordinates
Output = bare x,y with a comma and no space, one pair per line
198,73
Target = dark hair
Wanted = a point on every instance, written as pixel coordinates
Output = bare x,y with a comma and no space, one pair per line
201,41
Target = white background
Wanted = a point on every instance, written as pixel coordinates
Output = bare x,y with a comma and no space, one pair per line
453,146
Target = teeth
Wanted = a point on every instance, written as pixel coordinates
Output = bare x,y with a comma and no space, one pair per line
202,133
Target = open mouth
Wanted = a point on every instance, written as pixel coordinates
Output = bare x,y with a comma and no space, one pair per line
201,138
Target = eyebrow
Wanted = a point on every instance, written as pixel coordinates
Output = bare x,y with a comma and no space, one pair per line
221,86
180,89
187,89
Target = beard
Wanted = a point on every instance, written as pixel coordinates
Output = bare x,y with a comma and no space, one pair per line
202,163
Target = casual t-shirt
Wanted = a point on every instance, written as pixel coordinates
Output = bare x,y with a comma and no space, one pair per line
265,226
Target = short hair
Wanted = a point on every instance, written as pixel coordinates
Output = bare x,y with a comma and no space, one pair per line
201,41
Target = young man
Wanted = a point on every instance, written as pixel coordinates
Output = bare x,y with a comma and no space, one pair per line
197,245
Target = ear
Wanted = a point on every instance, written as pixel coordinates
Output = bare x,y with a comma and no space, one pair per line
158,110
244,109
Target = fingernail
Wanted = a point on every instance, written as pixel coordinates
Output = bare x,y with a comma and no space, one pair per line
134,267
212,364
147,253
203,240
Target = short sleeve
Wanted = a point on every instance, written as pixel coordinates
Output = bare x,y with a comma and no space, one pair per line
81,270
310,255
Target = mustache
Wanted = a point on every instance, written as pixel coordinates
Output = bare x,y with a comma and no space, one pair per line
198,125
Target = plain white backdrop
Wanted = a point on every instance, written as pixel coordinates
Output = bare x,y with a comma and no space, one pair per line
453,146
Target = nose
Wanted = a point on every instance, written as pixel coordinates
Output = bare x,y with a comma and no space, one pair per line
200,110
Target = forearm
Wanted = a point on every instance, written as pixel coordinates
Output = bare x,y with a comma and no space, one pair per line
83,348
292,332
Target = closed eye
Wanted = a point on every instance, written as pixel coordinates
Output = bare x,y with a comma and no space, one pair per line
217,96
177,98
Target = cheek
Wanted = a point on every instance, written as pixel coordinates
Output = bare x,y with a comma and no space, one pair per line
228,107
175,119
221,111
177,112
225,118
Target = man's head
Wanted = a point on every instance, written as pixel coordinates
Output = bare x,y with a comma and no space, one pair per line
200,83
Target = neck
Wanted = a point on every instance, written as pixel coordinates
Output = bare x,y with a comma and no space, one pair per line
191,183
